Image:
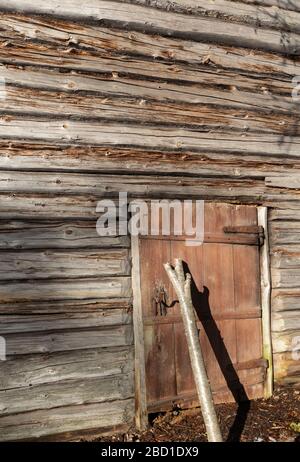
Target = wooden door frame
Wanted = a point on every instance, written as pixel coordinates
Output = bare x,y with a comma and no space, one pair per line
265,284
141,413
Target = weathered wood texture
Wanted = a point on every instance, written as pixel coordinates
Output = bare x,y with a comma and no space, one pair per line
285,264
178,99
159,20
91,416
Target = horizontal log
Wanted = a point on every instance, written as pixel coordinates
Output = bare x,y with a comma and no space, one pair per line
286,321
65,306
68,340
285,278
27,156
108,69
286,257
286,368
31,200
284,342
166,23
285,232
70,132
289,181
34,370
285,214
53,322
66,419
93,43
50,103
239,12
36,234
285,299
72,264
102,185
61,289
195,87
34,207
290,380
66,393
77,132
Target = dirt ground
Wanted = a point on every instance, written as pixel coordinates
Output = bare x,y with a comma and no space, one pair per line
276,419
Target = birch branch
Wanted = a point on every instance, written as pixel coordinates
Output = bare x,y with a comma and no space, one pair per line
182,286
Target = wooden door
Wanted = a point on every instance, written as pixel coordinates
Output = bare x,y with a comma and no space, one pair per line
226,295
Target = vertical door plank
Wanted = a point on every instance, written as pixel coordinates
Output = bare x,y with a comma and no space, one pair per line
154,253
160,365
193,263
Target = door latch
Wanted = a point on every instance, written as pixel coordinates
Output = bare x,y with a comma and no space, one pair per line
160,300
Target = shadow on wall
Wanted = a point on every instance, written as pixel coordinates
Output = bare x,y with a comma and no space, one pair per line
201,304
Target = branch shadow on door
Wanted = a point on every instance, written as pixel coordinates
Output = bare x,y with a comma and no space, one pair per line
201,304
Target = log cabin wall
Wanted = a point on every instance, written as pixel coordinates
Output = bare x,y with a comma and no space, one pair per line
176,99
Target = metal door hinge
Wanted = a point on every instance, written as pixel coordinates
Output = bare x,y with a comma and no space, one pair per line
251,229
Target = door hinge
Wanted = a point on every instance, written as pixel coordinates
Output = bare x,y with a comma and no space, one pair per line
251,229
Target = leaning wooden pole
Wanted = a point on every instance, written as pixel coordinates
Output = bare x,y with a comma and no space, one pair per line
182,286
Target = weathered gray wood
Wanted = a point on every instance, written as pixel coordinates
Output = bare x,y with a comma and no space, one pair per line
32,370
285,232
18,372
103,41
292,5
70,184
287,369
289,213
240,12
34,207
109,71
60,289
71,264
50,103
284,278
84,159
286,321
283,342
153,20
141,413
23,202
66,393
50,322
286,257
289,181
65,306
285,299
63,419
123,91
40,206
166,138
75,339
55,235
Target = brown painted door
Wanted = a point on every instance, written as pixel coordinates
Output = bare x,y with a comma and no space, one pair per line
226,295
